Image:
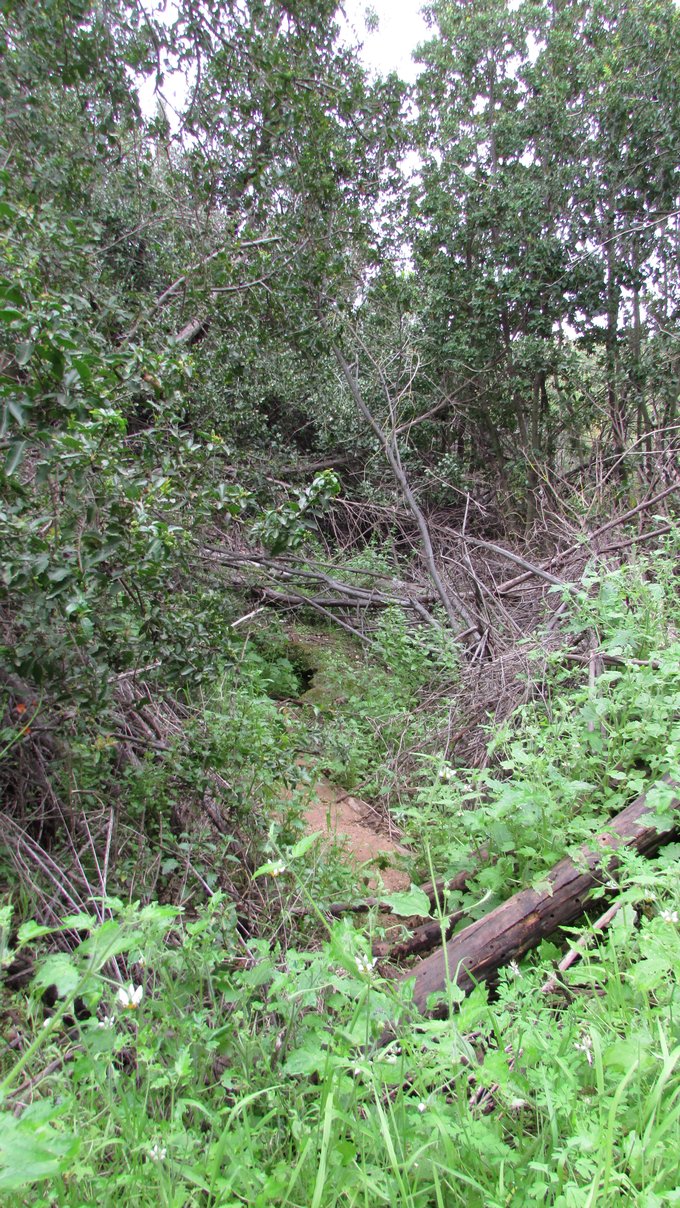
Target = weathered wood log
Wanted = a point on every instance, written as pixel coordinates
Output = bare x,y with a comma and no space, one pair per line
509,931
423,939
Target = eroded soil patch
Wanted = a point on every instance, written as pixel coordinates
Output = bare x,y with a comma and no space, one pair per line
362,832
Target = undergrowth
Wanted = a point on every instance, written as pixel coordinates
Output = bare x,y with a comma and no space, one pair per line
168,1054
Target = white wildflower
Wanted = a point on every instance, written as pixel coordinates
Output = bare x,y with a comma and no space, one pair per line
158,1153
586,1047
107,1022
131,997
365,965
515,969
447,773
422,1107
669,916
277,869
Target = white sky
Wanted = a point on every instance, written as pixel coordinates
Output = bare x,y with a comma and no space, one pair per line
401,28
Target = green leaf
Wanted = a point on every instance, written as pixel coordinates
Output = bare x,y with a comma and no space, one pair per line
109,940
32,931
80,922
310,1058
15,457
155,912
10,293
31,1149
414,901
273,866
17,411
303,845
58,970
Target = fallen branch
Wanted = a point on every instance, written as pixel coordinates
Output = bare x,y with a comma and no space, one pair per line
435,891
423,939
516,926
579,947
610,660
588,538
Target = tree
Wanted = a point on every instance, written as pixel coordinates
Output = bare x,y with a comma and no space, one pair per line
536,221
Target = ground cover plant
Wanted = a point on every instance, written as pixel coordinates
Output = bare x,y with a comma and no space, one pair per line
338,470
219,1068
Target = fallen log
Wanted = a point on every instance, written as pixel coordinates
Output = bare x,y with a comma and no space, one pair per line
423,939
516,926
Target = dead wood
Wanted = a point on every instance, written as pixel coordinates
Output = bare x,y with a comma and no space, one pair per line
422,939
337,462
579,546
579,947
435,890
516,926
609,660
343,595
454,607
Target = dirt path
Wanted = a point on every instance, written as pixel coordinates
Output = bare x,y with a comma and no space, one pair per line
361,829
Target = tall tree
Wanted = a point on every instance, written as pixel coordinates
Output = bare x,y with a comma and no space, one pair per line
538,220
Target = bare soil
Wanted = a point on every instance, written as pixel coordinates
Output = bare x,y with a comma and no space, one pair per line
362,831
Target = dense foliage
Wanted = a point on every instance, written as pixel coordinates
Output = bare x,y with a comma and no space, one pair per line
273,334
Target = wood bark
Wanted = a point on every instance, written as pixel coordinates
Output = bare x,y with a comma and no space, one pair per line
453,607
509,931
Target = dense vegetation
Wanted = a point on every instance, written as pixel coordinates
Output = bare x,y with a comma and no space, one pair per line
338,438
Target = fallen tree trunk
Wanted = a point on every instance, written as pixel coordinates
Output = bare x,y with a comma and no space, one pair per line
509,931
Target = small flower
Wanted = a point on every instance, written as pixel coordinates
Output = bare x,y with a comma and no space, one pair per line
107,1022
141,961
158,1153
277,869
515,969
422,1107
131,997
669,916
447,773
365,965
586,1047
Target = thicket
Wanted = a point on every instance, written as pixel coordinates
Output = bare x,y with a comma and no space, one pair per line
316,464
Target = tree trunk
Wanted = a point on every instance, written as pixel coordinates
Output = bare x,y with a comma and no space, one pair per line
454,608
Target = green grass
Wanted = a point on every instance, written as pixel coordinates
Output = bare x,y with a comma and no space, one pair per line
251,1073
